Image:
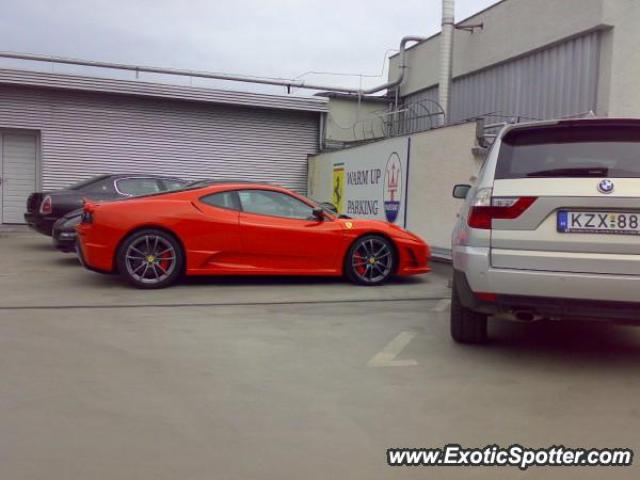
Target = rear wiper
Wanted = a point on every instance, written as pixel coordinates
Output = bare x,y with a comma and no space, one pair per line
571,172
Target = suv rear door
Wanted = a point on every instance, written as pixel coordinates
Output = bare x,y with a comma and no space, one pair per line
584,174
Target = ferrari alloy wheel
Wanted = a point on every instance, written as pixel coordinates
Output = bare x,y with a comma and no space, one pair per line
370,261
150,259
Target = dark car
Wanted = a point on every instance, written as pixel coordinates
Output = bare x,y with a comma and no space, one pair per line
64,231
45,208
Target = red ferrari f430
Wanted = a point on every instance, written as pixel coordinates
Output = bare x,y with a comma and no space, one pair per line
236,228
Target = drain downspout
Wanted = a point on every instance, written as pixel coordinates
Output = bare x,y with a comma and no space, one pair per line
446,55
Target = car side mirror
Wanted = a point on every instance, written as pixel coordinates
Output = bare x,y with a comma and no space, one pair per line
461,191
318,213
329,206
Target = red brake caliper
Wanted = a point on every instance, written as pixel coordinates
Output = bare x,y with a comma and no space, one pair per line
164,262
361,263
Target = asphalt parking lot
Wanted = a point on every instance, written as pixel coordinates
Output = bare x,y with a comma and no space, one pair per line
284,378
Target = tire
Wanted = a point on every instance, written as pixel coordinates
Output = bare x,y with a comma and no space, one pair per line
370,261
150,259
467,326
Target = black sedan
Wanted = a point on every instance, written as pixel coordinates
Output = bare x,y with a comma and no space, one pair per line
45,208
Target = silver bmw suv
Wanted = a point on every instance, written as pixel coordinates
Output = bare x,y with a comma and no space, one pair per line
551,228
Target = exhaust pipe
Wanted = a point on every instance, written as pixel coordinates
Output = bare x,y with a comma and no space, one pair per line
527,316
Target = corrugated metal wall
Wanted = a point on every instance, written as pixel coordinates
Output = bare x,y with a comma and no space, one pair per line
84,134
555,82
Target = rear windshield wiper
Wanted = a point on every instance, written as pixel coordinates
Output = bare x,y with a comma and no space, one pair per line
571,172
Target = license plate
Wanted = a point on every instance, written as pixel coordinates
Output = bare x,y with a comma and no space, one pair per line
599,222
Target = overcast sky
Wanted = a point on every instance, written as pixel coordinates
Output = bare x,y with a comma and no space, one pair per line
275,38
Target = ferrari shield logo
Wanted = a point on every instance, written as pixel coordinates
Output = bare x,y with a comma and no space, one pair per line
337,190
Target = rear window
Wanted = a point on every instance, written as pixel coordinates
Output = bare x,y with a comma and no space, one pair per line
83,184
138,186
102,186
570,151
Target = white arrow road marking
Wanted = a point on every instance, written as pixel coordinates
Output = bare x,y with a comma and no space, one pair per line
386,357
442,305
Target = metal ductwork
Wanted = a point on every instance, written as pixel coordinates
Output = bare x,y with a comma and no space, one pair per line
223,76
446,54
403,66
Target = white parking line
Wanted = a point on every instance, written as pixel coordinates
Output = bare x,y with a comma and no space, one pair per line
442,305
386,357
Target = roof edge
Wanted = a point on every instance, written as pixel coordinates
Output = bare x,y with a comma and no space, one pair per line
457,24
65,81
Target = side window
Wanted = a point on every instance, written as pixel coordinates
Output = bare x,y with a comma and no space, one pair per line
276,204
168,184
228,200
102,186
138,186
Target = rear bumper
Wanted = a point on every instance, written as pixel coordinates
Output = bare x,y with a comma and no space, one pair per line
481,277
40,224
561,294
573,262
88,262
64,240
548,307
96,254
626,312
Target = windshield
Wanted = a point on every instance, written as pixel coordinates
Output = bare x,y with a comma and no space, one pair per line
587,151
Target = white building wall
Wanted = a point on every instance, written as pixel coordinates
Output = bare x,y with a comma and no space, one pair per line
554,82
516,28
619,94
439,159
511,28
349,120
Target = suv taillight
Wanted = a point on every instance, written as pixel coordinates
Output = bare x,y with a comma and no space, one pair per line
486,208
46,207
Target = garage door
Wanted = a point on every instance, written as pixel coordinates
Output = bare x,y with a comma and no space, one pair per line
18,169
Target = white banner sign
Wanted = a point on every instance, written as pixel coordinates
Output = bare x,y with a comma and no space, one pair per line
371,182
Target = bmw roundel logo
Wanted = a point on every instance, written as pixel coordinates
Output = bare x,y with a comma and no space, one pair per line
606,186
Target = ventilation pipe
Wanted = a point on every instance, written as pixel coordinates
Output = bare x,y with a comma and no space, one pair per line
446,54
224,76
403,67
